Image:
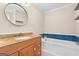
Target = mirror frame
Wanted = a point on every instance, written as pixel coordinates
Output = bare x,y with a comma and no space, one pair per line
18,4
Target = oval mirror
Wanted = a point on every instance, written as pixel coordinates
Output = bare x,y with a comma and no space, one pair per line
16,13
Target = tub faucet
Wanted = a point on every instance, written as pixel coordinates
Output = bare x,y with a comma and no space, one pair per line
45,38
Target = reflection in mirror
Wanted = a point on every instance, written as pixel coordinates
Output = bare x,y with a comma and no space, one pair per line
16,13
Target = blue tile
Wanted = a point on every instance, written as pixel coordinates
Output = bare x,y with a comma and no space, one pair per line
59,36
62,37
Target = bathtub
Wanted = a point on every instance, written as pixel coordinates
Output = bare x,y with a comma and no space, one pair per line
57,47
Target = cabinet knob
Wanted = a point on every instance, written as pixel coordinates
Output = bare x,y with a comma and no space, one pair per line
38,52
34,49
39,45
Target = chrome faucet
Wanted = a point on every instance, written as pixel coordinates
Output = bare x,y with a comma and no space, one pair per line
19,34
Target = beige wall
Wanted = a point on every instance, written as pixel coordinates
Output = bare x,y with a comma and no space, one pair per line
34,23
60,20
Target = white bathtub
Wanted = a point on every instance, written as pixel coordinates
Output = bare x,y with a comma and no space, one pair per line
56,47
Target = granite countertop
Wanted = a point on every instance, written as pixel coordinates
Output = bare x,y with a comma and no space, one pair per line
12,40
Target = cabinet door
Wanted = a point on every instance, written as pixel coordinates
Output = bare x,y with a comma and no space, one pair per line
27,51
37,49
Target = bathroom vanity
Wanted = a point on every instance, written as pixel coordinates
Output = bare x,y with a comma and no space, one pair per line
13,46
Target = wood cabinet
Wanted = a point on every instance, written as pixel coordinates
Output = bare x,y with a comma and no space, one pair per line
31,47
14,54
29,51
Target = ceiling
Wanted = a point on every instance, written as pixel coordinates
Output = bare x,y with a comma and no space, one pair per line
48,6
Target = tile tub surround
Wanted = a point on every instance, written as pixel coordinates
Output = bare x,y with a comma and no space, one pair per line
62,37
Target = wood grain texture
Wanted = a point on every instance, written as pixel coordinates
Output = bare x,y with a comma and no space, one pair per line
24,48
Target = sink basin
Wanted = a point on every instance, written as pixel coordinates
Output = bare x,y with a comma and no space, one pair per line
1,41
22,38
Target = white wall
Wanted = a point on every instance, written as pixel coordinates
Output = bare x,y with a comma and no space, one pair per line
56,21
60,20
34,23
77,27
48,6
76,12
